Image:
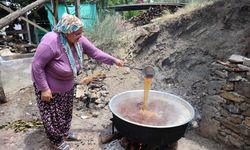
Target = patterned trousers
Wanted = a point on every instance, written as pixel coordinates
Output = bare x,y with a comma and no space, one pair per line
56,115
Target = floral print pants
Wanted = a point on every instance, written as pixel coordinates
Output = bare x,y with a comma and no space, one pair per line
56,115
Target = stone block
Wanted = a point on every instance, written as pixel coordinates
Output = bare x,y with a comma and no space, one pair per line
246,61
231,126
246,113
232,96
237,119
236,142
221,74
214,87
247,122
236,58
228,87
244,106
209,127
243,88
248,76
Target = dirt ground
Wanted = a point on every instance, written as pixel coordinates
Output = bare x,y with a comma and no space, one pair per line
22,105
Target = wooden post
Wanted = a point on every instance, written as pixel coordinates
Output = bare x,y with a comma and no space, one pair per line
55,10
9,18
28,29
77,8
36,34
67,9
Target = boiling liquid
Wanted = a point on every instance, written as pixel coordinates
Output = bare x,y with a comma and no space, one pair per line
147,85
164,113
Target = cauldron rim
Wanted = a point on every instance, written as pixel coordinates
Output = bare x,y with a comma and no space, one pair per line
153,126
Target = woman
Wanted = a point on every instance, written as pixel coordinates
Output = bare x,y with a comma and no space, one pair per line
57,60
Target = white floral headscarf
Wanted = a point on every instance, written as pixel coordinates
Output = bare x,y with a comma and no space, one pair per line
68,24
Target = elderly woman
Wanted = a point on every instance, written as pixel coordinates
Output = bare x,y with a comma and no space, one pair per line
57,60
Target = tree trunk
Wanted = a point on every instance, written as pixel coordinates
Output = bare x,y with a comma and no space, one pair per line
9,18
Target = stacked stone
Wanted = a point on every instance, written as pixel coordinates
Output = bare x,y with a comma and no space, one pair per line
226,109
93,95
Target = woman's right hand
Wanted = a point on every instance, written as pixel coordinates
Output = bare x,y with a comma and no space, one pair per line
46,95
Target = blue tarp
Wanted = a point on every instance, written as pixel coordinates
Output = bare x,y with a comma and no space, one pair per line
87,11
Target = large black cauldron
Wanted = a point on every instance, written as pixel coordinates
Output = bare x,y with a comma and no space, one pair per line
150,134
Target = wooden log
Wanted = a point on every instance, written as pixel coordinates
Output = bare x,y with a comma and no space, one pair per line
9,18
25,19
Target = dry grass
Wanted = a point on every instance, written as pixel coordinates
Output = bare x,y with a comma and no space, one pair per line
105,33
192,6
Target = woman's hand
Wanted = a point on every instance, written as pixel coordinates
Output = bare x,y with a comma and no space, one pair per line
119,62
46,95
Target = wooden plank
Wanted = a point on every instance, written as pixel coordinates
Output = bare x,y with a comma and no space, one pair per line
25,19
11,17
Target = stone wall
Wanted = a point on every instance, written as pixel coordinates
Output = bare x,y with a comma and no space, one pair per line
226,108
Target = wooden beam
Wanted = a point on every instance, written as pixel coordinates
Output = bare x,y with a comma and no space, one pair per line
9,18
23,18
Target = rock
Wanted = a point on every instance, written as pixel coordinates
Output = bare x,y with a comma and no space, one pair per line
247,122
221,74
246,61
243,88
243,67
236,141
237,119
98,101
214,87
248,76
194,124
235,78
2,95
80,91
246,112
236,58
232,108
232,96
127,71
209,127
95,114
228,87
244,106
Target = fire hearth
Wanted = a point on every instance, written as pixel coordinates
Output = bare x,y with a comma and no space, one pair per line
131,145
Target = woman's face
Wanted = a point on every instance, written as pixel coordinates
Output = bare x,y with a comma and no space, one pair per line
74,36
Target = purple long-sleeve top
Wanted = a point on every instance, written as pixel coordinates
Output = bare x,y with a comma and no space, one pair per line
51,68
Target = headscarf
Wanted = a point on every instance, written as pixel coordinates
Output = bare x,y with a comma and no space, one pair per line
68,24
